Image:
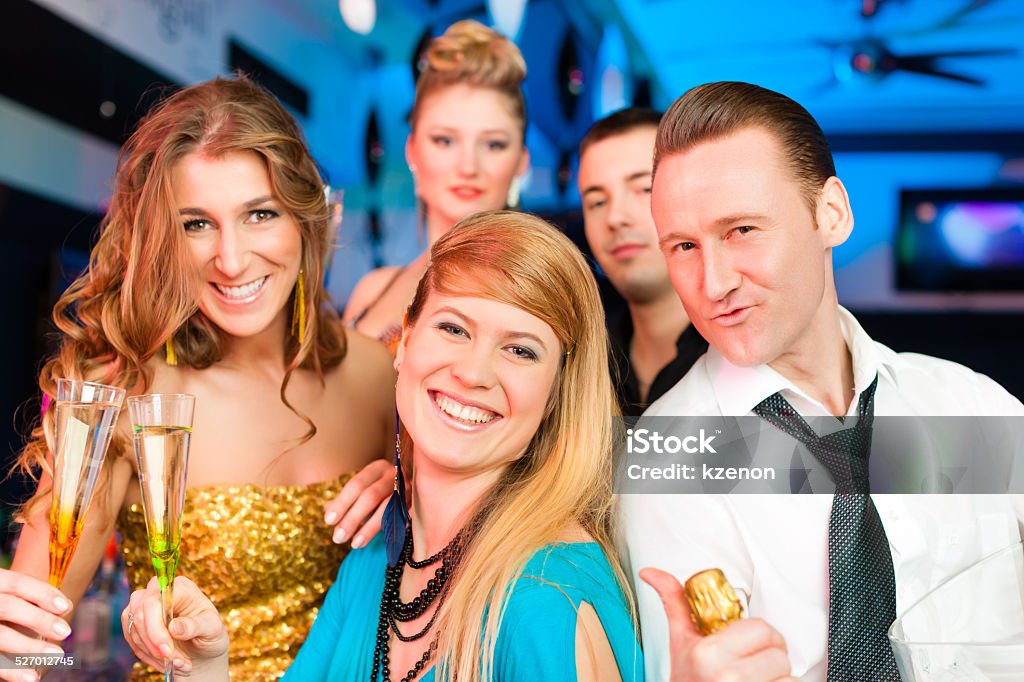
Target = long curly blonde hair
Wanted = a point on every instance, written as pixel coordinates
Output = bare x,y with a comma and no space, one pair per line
141,290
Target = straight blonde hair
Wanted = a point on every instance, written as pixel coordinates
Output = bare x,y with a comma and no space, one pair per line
564,479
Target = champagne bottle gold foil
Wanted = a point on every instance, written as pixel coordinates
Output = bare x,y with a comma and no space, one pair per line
713,602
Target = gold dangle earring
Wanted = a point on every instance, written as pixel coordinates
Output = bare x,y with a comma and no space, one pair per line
171,358
299,309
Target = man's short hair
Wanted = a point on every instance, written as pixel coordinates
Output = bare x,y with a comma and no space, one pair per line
714,110
620,123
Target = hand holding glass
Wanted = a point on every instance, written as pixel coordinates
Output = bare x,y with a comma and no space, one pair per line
161,426
86,414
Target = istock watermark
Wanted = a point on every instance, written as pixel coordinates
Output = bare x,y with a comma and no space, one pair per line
907,455
646,441
642,441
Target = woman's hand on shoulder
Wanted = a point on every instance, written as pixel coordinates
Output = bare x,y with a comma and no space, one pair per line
357,511
196,641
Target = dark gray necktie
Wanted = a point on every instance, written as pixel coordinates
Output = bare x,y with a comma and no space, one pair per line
862,587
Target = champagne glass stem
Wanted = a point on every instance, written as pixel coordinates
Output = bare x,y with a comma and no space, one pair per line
167,610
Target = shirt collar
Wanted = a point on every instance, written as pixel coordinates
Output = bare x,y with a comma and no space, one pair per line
739,389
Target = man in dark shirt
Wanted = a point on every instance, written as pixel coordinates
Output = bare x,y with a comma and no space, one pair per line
653,343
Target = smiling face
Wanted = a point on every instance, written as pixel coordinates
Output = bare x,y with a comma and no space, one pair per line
244,244
475,376
615,185
465,149
749,260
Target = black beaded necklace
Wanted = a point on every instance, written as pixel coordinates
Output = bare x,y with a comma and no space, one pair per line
394,611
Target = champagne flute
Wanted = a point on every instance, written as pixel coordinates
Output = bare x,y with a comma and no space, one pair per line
336,206
970,627
161,427
86,414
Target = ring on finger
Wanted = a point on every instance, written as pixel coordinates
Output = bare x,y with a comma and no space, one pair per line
131,623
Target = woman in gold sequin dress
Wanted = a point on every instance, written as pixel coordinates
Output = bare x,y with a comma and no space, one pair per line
207,279
466,150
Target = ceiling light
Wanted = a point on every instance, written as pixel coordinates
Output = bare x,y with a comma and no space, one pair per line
507,16
359,15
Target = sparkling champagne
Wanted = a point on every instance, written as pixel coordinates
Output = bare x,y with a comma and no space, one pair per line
83,434
162,454
162,427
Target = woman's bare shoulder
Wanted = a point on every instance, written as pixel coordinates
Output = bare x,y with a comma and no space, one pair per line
366,359
368,289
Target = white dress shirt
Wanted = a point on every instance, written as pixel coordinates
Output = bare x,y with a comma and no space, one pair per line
774,548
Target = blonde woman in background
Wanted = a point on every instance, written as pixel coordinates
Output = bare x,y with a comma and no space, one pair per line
508,572
207,279
466,150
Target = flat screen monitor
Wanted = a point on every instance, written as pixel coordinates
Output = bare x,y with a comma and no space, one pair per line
961,240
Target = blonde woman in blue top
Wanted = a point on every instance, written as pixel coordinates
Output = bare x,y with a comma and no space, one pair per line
508,571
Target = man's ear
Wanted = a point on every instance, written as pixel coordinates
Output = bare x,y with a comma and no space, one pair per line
834,215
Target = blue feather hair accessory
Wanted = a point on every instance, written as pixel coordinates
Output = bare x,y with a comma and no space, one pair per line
396,515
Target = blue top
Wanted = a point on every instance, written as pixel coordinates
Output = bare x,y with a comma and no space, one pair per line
537,639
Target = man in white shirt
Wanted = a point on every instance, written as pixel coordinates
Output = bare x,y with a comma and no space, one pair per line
748,210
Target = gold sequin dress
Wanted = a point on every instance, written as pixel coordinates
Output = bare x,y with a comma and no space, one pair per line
264,557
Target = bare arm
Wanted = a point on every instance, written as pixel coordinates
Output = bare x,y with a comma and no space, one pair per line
595,659
32,555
